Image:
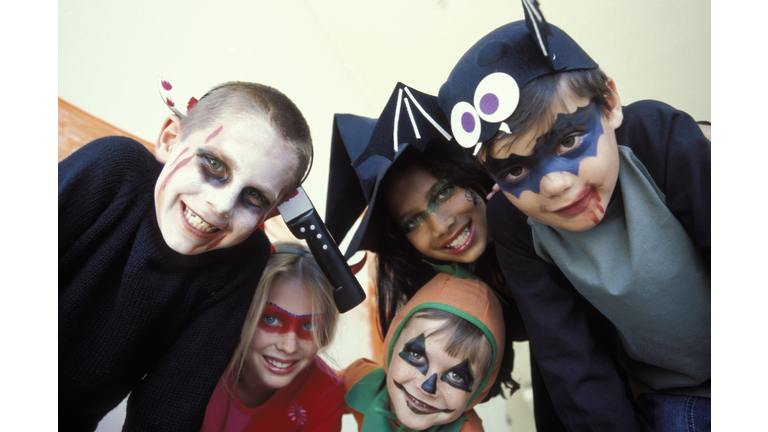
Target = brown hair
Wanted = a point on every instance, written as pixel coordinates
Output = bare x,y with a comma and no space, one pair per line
244,101
466,339
540,97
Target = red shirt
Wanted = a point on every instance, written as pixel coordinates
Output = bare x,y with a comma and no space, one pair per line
313,401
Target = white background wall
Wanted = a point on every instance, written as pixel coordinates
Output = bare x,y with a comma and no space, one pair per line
334,56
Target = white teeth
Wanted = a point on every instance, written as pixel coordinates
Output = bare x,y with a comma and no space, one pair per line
278,364
420,403
197,222
458,241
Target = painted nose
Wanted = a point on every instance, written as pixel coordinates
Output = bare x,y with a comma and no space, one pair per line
556,183
430,385
288,343
222,201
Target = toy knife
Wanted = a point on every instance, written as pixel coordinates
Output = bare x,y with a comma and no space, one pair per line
305,224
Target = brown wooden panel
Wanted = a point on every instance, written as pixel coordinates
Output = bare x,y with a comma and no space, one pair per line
77,128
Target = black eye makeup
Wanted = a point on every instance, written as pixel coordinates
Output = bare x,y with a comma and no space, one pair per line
255,198
460,376
213,168
415,353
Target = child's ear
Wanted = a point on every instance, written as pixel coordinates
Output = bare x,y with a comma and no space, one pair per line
616,115
170,135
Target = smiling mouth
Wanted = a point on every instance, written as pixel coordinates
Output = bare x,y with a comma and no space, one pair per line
461,242
197,222
417,406
279,367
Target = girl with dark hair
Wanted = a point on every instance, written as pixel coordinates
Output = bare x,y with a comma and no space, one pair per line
425,214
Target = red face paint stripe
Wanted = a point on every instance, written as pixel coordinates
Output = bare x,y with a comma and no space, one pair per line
180,164
214,244
204,244
180,154
286,322
213,134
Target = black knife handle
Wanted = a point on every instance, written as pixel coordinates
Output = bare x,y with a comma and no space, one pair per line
347,290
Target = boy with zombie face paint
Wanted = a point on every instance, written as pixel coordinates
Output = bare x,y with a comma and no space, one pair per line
159,255
442,353
602,230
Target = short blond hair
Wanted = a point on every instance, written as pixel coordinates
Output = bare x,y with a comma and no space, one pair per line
243,101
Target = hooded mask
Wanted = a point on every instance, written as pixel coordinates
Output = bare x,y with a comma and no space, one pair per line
470,299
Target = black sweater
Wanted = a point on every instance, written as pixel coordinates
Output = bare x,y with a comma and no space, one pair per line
134,315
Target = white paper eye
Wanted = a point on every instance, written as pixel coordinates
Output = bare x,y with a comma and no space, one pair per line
496,97
465,124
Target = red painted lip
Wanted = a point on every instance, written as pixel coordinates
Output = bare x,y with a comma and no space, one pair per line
467,244
579,204
279,371
194,230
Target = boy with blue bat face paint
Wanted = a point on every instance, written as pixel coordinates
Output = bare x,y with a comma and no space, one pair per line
602,230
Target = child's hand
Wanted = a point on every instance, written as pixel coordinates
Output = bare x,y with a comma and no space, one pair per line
494,189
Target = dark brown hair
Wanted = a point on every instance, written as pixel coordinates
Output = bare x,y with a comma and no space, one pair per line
540,97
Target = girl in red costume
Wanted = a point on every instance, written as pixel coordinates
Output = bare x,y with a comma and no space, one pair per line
276,381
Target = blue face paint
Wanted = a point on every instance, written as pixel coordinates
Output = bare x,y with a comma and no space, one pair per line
572,138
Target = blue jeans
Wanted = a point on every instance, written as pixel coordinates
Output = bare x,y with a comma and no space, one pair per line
673,413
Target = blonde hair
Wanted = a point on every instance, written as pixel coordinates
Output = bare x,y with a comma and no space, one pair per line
290,260
242,101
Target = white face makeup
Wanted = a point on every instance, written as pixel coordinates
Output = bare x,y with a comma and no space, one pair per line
218,185
282,345
440,219
426,385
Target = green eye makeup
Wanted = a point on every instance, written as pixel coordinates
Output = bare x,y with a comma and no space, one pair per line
441,192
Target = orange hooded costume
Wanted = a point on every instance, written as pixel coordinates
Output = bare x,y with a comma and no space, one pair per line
365,380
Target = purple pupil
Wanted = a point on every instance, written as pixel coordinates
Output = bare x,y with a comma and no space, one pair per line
489,103
468,122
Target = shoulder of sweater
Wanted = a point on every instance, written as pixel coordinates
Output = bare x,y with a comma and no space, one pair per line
121,152
652,123
107,161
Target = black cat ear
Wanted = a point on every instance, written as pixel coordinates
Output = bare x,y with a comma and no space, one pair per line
410,118
539,29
